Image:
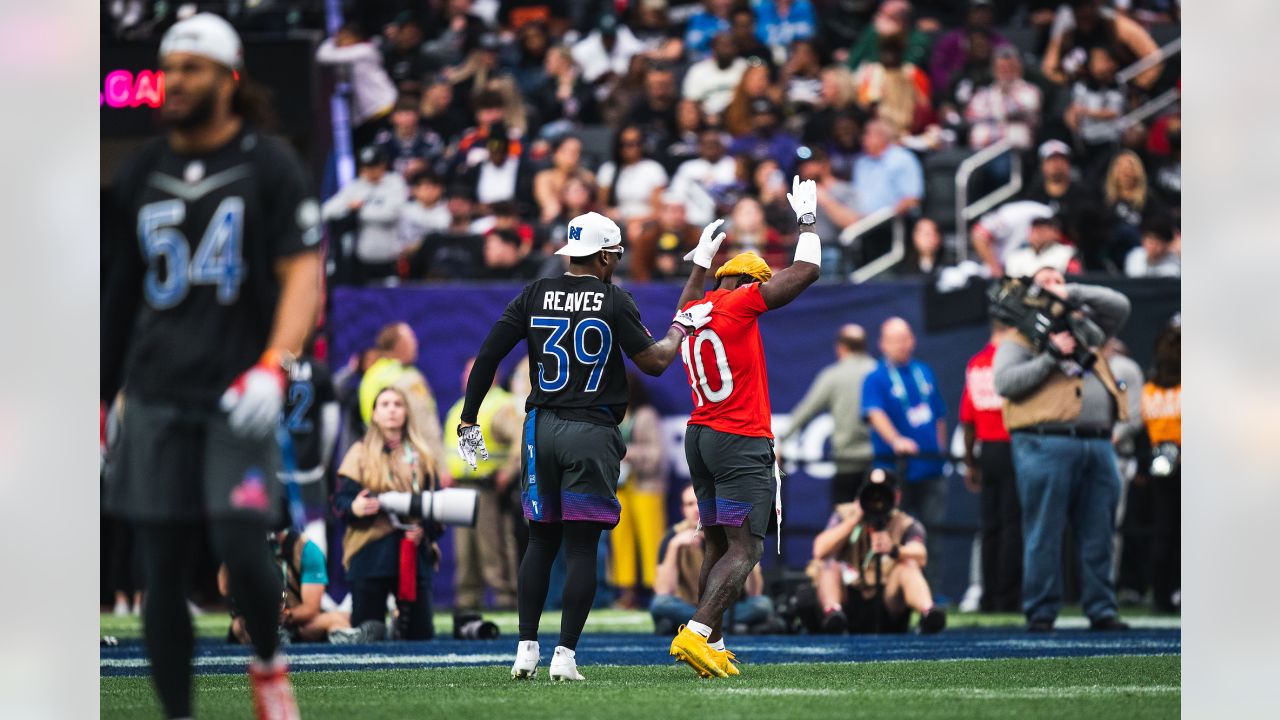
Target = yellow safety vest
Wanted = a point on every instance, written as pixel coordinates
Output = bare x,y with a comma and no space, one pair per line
380,374
493,402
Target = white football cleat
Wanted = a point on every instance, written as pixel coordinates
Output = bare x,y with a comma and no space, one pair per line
526,664
563,665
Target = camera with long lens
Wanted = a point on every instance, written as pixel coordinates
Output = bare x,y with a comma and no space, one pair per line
473,626
878,498
1037,313
450,506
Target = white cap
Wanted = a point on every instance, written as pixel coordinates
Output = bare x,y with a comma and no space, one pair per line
589,234
206,35
1049,148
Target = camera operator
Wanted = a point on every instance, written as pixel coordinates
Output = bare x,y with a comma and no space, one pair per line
872,559
1162,415
1060,407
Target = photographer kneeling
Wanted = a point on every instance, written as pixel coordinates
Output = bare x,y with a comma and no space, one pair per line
1060,406
872,559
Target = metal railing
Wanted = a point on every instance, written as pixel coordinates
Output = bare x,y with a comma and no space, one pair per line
851,236
966,212
1144,64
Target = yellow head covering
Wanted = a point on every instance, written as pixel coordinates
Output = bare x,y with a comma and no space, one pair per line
747,263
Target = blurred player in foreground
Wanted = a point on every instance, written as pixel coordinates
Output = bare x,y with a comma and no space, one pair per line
729,441
576,326
214,289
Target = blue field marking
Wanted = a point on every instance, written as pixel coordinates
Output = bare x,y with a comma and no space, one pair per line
129,658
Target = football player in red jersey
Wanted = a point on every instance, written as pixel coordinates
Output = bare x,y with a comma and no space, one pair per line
729,441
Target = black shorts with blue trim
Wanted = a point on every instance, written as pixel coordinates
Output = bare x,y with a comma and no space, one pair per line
732,476
569,469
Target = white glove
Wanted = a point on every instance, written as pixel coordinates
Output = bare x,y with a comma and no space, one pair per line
471,443
707,247
695,317
803,197
254,401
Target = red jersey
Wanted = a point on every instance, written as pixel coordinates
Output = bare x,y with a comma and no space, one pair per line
725,363
981,404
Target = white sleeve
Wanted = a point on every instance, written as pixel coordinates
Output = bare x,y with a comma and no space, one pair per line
330,54
605,176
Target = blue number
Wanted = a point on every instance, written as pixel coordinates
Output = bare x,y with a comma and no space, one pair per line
301,395
559,327
595,359
217,261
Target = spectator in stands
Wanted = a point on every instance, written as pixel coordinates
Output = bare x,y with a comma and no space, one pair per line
801,78
769,187
502,176
577,197
481,64
952,99
486,554
886,175
397,347
849,581
625,93
1007,109
564,100
895,90
748,231
374,197
1004,230
844,143
892,18
1165,148
533,42
490,113
455,33
439,113
779,23
1044,249
1162,416
606,52
1128,204
504,258
655,113
662,37
642,490
373,93
704,26
742,26
701,180
426,213
682,146
630,182
925,257
404,57
951,51
676,587
1086,25
382,557
766,138
835,98
305,579
988,463
659,250
1157,256
837,389
1097,100
1061,417
710,82
754,84
548,184
410,148
836,200
1072,202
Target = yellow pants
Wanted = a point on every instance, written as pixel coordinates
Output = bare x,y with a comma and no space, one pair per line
640,527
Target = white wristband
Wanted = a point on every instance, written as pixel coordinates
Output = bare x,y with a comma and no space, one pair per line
809,249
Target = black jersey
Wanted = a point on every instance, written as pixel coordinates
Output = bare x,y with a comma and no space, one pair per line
577,328
310,388
192,294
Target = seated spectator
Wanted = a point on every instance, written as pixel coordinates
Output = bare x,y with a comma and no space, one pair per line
1158,256
403,55
766,138
1164,147
925,257
625,92
885,173
836,200
847,583
425,214
658,254
501,176
1086,25
374,197
305,579
676,587
563,100
711,82
1097,101
1127,204
383,554
533,42
769,187
630,182
490,112
373,93
704,26
1044,249
1007,109
952,49
682,146
566,163
655,112
779,23
576,197
952,98
457,32
844,143
1072,202
754,84
892,18
482,63
658,31
703,179
742,26
605,53
504,258
410,148
896,90
747,231
802,77
835,97
439,113
1004,230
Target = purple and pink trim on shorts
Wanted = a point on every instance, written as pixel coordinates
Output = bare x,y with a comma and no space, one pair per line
723,511
575,506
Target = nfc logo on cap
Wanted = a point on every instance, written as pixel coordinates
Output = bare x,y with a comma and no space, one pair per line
575,233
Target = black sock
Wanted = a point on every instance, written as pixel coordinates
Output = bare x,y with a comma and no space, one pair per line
255,582
167,553
581,540
535,575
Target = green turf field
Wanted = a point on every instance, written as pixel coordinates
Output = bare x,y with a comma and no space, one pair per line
1096,688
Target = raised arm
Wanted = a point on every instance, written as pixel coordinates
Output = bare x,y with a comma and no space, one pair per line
787,284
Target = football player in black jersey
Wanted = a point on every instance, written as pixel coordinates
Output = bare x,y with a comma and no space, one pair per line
577,327
213,290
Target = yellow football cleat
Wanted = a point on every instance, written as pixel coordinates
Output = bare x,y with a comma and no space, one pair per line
691,648
726,659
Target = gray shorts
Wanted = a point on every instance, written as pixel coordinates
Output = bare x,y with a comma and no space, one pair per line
183,464
732,477
569,469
